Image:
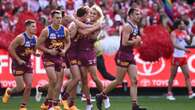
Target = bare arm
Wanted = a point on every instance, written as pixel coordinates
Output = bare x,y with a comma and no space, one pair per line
67,40
125,36
173,39
189,39
89,30
14,44
83,25
41,40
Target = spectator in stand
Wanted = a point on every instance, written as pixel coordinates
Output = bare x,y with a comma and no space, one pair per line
43,3
154,16
146,10
164,19
14,18
180,7
70,7
33,5
5,24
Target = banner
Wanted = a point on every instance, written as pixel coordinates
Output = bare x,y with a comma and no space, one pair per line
149,74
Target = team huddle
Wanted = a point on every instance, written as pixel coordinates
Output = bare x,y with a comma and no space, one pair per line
73,47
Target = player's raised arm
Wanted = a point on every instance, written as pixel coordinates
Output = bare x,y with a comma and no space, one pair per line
89,30
84,25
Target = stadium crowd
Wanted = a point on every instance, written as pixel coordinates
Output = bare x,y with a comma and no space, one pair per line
11,11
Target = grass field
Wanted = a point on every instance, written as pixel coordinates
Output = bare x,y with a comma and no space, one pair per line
118,103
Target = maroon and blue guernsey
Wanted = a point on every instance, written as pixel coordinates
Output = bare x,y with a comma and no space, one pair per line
24,52
125,56
55,40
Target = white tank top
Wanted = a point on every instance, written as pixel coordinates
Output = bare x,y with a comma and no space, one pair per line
180,40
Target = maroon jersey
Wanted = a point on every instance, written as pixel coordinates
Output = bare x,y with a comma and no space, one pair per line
55,40
28,48
24,52
87,53
125,56
86,44
134,33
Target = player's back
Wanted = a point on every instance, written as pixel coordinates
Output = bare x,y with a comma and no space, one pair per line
86,43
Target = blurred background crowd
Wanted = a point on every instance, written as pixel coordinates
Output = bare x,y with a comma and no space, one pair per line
163,12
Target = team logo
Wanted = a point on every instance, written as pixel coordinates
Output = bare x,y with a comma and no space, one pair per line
27,44
33,42
135,31
52,36
149,69
60,36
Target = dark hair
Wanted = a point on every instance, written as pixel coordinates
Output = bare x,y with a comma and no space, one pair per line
81,12
55,12
178,22
63,13
28,22
131,11
15,10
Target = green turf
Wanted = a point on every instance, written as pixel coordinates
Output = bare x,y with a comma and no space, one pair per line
118,103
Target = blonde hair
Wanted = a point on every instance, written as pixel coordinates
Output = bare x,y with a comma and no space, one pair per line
99,10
